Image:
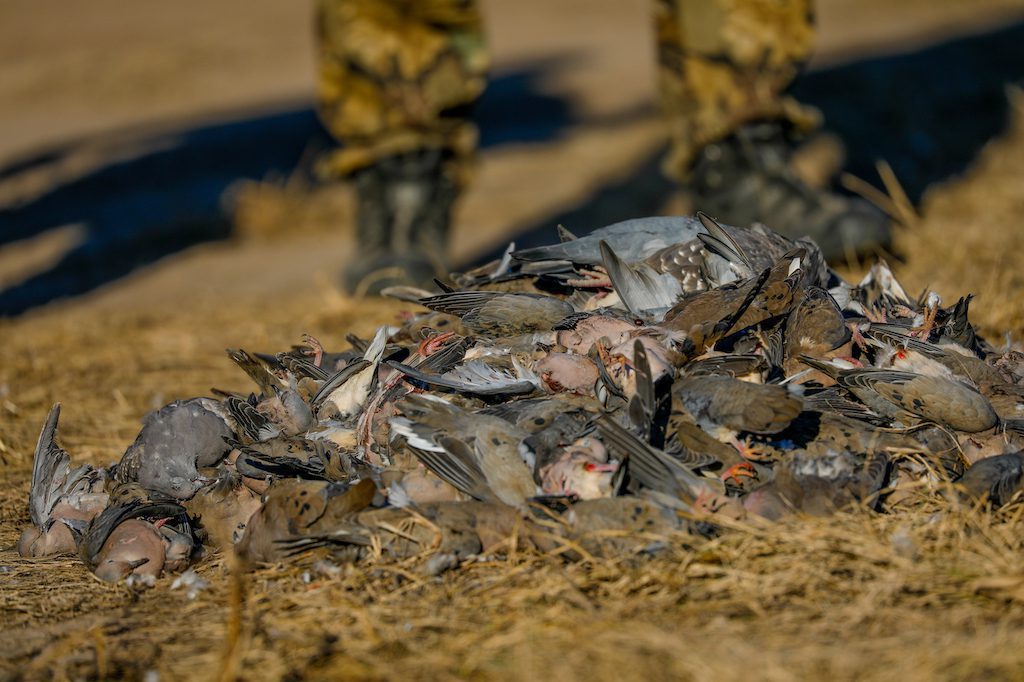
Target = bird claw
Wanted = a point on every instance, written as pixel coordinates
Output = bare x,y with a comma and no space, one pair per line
595,278
432,344
875,314
857,337
925,330
752,451
317,348
736,471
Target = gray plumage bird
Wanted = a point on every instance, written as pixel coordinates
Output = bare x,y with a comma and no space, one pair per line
174,442
995,479
633,240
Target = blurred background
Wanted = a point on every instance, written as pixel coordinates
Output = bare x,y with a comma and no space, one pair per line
157,154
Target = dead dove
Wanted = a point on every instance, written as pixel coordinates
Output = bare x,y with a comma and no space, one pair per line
820,485
459,528
344,394
223,508
58,493
579,333
815,327
174,442
711,315
633,240
124,540
479,454
294,507
597,397
584,470
994,480
897,394
723,406
500,315
660,473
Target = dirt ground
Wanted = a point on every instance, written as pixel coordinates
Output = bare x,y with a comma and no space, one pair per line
935,593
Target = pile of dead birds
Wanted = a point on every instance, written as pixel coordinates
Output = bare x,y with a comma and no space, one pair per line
656,378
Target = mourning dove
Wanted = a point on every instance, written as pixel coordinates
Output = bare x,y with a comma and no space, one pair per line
723,406
123,539
957,329
476,377
288,411
459,528
222,509
815,327
58,492
551,422
897,394
619,526
707,317
289,457
583,470
498,315
294,507
907,353
1010,366
344,394
478,454
578,334
660,473
569,372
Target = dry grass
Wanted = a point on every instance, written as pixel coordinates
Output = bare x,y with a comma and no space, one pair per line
935,592
971,240
276,208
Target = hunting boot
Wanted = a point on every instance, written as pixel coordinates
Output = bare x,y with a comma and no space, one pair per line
402,219
421,193
747,178
372,256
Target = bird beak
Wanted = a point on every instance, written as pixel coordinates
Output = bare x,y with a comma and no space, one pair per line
601,468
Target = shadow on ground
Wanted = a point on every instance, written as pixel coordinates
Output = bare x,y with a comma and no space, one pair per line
927,113
168,195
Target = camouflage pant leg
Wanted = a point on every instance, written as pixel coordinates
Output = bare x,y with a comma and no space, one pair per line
397,76
725,63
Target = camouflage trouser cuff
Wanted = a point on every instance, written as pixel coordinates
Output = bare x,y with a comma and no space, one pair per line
458,145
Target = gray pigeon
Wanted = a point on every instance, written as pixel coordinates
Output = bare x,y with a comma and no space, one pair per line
633,241
174,442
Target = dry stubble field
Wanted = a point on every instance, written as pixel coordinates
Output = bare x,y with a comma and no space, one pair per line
934,592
